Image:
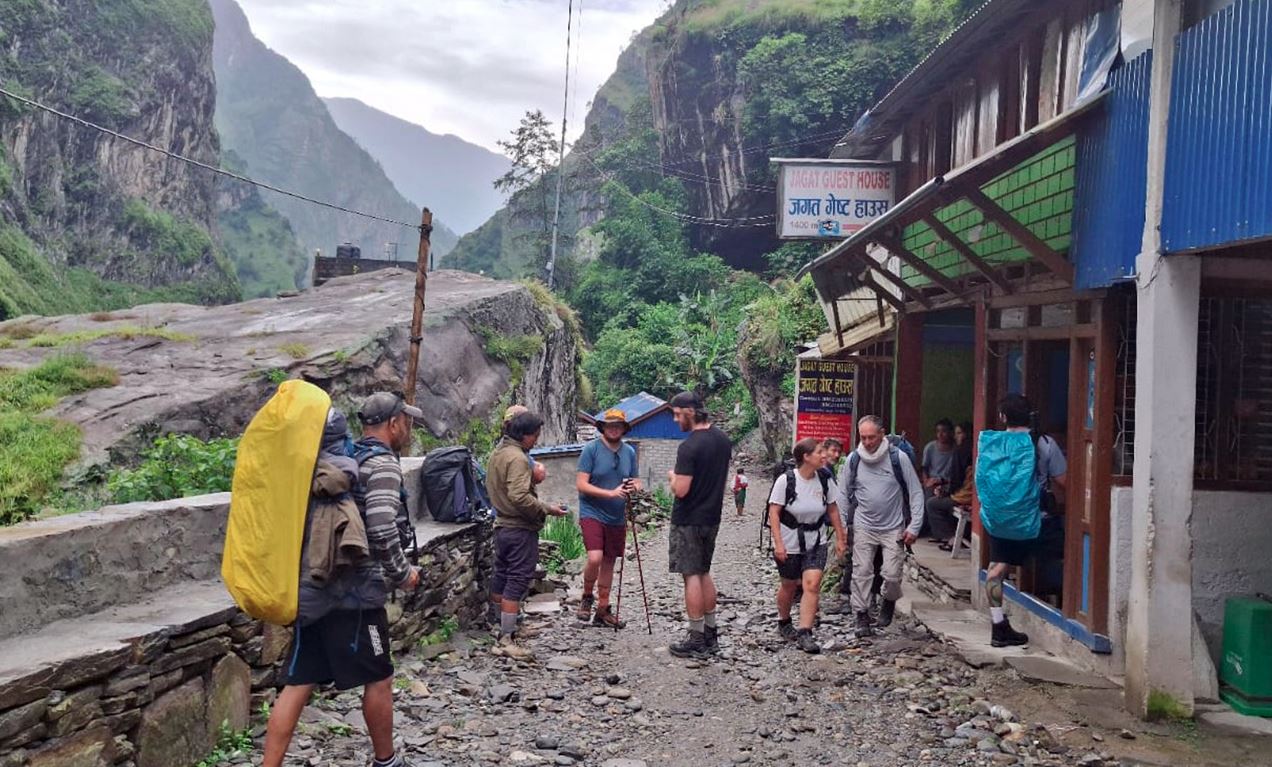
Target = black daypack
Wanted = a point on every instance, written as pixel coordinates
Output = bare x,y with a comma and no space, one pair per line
788,519
452,485
363,451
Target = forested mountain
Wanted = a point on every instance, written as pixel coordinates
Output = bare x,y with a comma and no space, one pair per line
443,172
268,115
88,221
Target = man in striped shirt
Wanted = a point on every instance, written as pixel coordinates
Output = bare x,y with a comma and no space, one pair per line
349,644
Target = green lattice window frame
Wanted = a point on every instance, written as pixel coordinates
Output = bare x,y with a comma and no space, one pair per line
1038,193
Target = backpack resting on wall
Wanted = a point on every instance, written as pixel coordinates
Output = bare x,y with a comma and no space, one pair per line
452,485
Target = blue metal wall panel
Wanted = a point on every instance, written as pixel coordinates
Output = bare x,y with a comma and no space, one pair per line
661,426
1112,168
1218,160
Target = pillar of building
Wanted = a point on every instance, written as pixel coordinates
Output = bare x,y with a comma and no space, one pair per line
1159,622
907,392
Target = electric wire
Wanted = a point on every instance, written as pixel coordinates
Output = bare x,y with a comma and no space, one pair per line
199,164
565,119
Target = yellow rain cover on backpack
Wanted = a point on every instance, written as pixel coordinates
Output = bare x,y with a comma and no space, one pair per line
269,501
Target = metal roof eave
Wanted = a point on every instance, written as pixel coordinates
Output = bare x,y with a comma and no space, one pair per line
944,190
882,121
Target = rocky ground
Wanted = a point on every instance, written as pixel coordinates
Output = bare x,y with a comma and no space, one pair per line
596,697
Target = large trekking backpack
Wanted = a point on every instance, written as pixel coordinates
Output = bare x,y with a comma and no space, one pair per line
1007,484
452,485
273,473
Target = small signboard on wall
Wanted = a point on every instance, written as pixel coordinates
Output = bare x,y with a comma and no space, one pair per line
824,398
831,199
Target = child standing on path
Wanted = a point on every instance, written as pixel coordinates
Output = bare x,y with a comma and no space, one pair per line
740,484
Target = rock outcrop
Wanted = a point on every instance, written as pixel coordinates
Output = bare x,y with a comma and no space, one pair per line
205,370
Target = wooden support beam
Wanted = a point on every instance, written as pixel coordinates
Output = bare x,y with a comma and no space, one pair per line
1021,234
896,248
944,234
907,290
882,292
839,325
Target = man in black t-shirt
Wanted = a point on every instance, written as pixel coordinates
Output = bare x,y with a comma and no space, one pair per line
698,483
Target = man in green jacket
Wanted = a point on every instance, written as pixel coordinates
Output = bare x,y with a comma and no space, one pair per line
519,516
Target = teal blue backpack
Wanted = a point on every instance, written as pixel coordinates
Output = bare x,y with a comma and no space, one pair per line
1007,483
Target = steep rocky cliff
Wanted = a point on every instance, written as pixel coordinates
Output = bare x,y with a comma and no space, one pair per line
728,84
269,116
87,220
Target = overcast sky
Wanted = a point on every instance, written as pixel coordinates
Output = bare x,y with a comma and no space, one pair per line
468,67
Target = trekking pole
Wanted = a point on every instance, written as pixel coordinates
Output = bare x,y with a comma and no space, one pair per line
640,572
618,604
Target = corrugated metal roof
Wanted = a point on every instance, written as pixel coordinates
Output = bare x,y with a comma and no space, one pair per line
1219,135
1112,181
574,447
636,407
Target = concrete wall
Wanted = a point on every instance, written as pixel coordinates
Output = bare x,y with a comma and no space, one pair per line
1232,554
655,457
559,486
1121,506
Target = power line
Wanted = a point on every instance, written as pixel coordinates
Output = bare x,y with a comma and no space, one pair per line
565,119
722,223
198,164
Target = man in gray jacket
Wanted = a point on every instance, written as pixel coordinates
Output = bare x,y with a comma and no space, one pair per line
877,485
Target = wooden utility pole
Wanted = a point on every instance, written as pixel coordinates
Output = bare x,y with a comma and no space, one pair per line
417,317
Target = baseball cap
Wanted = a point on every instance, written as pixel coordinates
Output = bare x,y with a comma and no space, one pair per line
688,400
382,406
513,411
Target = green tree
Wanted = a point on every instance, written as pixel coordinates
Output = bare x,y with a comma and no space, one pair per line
530,181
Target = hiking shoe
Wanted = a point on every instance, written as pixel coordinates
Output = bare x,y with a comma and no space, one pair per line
787,630
863,629
509,647
693,646
605,618
711,636
805,641
886,613
584,612
1004,635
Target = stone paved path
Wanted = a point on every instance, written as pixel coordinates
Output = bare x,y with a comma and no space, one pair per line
597,697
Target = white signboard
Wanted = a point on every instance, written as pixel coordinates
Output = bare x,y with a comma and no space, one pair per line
831,199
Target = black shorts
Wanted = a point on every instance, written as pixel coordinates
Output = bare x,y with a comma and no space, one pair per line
795,565
347,647
1008,552
691,548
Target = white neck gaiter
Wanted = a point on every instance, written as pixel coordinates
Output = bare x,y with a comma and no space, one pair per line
878,455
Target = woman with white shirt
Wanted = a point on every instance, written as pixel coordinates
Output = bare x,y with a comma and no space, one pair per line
801,505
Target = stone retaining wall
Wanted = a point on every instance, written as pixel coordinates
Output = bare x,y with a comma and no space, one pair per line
934,586
150,680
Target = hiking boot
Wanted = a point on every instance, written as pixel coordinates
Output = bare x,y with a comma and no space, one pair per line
711,636
862,628
509,647
584,612
605,618
693,646
886,612
1004,635
805,641
787,630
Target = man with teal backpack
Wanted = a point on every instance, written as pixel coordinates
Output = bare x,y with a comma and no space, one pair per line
1015,473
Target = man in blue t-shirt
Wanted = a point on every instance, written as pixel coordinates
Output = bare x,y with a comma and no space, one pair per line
607,474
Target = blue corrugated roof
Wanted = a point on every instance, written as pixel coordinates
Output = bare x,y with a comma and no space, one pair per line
573,447
636,407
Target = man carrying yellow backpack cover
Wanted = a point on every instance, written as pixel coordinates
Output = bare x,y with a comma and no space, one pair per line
348,562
